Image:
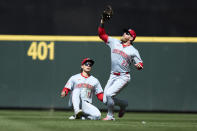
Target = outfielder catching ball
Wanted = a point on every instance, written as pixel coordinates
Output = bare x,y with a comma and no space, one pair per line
83,85
123,53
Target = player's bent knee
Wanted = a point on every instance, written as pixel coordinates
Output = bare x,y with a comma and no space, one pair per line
108,94
94,117
106,97
97,115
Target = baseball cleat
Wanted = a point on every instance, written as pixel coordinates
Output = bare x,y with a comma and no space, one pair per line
83,118
79,114
72,117
109,118
122,111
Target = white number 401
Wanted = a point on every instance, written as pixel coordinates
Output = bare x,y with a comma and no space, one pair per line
41,50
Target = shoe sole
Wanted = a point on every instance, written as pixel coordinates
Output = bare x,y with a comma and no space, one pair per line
108,119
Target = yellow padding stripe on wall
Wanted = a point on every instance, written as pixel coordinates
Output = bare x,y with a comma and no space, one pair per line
93,38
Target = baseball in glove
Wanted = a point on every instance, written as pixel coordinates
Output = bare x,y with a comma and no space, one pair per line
107,13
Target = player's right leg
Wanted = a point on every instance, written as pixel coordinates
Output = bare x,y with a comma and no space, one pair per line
76,103
107,99
115,87
108,85
110,106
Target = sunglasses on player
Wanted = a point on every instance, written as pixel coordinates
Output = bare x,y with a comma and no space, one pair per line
88,64
127,33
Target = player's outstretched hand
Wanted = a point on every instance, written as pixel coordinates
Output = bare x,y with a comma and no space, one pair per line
107,13
63,94
139,66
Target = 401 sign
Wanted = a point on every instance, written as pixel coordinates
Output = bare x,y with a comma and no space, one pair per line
41,51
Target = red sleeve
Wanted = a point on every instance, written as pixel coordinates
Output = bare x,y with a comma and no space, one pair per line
100,96
102,34
66,90
141,65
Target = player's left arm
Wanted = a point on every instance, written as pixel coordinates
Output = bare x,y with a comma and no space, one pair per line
138,61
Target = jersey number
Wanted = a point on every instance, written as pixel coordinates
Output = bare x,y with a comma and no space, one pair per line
88,93
124,63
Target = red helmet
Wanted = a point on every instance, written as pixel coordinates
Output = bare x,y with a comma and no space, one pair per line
131,32
87,60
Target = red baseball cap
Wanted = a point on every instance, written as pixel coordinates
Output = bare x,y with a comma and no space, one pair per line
87,60
131,32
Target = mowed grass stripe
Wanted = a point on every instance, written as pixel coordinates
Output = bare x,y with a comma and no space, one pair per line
58,121
13,124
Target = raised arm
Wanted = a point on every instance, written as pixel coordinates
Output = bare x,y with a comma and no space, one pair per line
105,16
101,32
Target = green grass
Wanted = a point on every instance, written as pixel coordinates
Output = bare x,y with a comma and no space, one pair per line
13,120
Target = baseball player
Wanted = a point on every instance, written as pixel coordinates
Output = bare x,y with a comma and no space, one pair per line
83,85
123,54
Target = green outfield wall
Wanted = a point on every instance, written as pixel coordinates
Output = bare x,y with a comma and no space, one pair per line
34,69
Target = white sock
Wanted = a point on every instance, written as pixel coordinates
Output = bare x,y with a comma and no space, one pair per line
110,105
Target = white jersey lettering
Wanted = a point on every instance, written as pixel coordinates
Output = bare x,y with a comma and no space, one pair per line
87,86
122,57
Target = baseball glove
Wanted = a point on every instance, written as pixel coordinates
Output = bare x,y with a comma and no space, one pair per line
107,13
